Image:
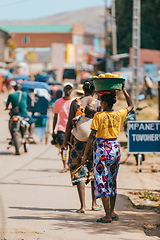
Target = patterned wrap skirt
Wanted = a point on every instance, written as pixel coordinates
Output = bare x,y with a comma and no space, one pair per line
80,172
106,163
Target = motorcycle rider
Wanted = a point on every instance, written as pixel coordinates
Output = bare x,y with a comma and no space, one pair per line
13,98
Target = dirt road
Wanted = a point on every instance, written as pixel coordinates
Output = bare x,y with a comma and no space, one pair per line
39,203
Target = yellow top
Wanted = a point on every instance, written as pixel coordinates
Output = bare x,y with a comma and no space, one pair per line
107,123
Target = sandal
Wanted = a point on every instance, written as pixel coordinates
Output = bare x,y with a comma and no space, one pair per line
115,218
102,220
80,211
98,208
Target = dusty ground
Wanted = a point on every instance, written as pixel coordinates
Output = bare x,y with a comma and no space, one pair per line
38,213
141,203
150,113
152,229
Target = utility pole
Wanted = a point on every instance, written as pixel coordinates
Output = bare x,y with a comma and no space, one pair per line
159,99
114,35
136,49
106,33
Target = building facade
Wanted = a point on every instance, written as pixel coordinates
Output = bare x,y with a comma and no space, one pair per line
77,46
4,53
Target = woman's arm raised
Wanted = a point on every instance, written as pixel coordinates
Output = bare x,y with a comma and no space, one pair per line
128,99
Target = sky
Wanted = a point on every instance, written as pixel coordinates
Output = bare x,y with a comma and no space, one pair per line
32,9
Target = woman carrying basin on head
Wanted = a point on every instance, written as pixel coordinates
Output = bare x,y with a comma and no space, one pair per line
106,127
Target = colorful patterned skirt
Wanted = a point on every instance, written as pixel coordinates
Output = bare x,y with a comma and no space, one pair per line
106,163
80,172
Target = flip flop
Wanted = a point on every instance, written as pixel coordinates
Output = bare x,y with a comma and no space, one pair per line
78,211
115,218
101,220
97,209
31,140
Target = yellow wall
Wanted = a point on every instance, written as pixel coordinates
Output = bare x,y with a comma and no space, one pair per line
70,53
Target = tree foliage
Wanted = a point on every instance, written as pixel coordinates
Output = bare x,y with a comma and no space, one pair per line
150,24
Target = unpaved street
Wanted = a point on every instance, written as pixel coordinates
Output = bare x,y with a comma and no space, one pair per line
39,203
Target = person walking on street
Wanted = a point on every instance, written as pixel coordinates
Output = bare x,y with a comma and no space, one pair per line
106,127
61,108
81,175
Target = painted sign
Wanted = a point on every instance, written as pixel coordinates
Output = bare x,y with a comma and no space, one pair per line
144,136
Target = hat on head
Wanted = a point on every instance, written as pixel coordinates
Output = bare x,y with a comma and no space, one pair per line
80,89
12,83
68,84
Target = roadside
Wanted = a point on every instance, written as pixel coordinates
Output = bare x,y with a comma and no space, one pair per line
37,202
40,203
142,186
134,182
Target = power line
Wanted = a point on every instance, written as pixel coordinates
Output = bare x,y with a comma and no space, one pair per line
9,4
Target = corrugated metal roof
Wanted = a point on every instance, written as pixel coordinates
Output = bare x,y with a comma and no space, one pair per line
37,28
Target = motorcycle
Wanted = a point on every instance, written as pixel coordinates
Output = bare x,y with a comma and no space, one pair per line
19,128
131,116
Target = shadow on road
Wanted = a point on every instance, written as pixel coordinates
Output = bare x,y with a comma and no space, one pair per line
130,218
6,153
42,209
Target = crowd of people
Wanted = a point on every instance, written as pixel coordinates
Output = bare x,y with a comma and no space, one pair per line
85,128
96,157
88,127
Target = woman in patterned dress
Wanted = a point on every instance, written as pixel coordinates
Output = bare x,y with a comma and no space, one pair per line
106,156
81,175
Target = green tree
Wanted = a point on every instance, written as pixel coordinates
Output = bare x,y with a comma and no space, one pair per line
150,24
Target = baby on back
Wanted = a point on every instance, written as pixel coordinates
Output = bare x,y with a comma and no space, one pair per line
90,111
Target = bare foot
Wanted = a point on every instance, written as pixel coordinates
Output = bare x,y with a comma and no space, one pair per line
63,170
95,205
